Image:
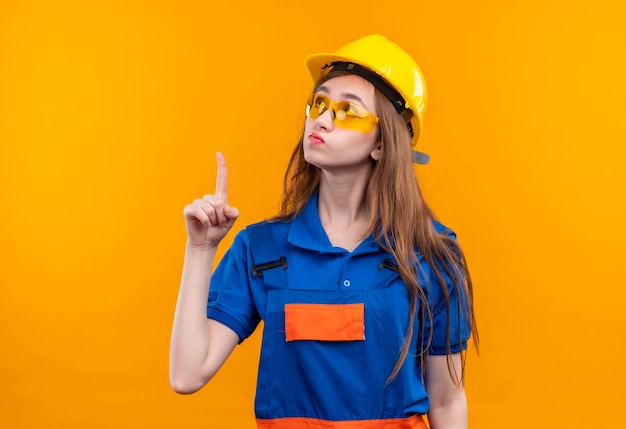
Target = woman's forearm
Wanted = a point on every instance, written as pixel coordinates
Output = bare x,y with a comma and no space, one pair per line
190,332
448,403
451,414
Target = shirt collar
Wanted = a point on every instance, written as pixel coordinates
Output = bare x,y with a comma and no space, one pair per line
307,232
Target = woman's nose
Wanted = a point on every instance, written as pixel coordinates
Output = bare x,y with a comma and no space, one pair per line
325,120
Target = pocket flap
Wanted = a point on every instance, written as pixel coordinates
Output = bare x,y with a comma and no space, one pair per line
325,322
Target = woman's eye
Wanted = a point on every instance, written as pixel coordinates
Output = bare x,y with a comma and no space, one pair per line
352,110
320,102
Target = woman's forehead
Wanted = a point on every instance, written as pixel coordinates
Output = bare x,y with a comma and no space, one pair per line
349,87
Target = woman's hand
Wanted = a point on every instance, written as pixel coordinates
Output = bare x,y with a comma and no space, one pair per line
210,218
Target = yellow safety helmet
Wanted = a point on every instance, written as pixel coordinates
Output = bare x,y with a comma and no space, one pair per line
388,68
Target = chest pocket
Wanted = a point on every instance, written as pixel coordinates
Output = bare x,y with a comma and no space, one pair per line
325,322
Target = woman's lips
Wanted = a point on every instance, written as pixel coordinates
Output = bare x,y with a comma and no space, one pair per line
315,138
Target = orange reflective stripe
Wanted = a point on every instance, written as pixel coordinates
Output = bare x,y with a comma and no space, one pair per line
325,322
414,422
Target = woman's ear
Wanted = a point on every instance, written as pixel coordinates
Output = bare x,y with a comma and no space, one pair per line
375,154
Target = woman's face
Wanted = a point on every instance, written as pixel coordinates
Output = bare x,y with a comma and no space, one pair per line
333,148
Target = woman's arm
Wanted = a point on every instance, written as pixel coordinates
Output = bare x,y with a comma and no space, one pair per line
448,405
199,346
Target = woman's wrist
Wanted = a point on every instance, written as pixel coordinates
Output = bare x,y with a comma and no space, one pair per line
208,249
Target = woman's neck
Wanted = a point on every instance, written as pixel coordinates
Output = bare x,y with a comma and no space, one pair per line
342,211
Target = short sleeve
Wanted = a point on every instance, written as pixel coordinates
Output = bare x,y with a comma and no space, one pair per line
231,299
459,324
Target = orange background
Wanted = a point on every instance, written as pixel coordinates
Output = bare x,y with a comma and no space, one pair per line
110,115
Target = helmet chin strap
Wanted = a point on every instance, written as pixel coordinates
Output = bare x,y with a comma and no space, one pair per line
420,157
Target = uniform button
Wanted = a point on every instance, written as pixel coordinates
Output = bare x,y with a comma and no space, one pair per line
346,283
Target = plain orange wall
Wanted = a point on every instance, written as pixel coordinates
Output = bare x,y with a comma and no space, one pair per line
110,115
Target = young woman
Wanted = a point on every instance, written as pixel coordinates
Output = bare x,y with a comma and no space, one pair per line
366,299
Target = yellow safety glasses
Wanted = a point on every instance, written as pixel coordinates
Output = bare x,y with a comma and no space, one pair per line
344,113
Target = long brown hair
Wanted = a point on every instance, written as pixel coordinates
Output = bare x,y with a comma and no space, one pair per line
402,223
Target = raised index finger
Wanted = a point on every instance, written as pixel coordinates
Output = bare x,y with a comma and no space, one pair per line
221,185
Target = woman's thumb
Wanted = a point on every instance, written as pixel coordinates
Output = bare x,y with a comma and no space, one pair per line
231,212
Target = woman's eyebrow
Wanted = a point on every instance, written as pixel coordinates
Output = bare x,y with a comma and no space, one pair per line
350,96
344,95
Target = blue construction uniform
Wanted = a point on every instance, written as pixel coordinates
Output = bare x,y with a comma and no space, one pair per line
334,323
